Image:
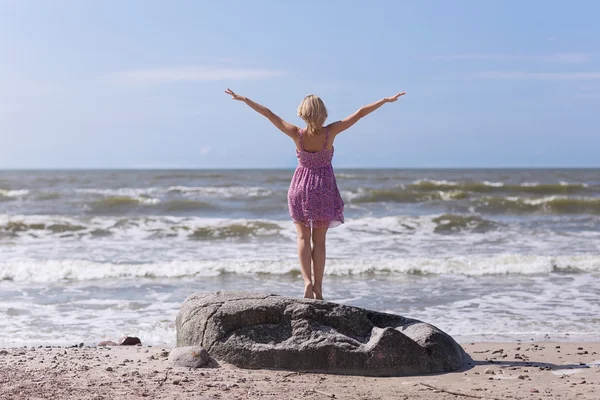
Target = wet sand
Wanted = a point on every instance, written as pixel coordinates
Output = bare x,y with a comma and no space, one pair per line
518,370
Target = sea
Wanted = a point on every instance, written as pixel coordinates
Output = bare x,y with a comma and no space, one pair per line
483,254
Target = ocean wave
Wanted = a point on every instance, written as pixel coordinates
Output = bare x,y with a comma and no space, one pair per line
118,203
195,228
543,205
236,230
207,191
342,175
15,227
454,223
500,187
120,192
402,195
185,205
8,195
190,175
222,192
45,196
14,193
198,228
49,271
553,204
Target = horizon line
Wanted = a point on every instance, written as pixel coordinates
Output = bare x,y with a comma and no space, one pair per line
287,168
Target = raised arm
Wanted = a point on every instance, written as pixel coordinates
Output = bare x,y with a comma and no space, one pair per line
283,126
347,122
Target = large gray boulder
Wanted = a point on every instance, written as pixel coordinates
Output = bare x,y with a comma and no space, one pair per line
256,330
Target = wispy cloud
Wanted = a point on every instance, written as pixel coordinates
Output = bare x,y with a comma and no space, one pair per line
154,76
548,76
565,58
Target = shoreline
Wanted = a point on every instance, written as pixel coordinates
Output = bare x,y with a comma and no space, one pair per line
501,370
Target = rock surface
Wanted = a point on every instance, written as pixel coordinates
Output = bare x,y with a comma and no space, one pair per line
189,357
256,330
130,341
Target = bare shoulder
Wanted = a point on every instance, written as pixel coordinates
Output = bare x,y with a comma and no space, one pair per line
334,128
295,134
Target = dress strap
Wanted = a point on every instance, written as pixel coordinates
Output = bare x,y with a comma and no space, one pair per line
301,141
326,138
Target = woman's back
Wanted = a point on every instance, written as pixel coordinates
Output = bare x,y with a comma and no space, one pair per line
316,142
314,157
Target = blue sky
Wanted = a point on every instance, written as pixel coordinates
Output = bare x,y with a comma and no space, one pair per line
139,84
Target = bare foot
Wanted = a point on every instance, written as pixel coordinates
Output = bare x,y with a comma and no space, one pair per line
318,293
308,291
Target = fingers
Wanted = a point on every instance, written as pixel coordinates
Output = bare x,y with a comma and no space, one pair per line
394,98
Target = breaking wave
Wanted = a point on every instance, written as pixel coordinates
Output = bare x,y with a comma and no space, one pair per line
197,228
543,205
453,223
500,187
82,270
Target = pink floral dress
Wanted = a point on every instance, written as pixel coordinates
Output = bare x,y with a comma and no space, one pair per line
313,198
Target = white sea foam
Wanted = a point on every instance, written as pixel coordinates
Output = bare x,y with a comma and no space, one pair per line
541,200
467,307
223,192
342,175
493,184
129,192
14,193
94,320
139,228
38,271
565,183
436,182
428,244
209,191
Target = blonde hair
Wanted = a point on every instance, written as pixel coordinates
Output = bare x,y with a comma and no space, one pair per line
312,110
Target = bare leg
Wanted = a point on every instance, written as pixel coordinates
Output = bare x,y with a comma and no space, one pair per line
318,258
304,253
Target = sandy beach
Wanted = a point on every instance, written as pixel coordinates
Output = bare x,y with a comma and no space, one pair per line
518,370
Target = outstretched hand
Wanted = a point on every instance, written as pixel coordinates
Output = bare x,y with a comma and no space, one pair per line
391,99
234,96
